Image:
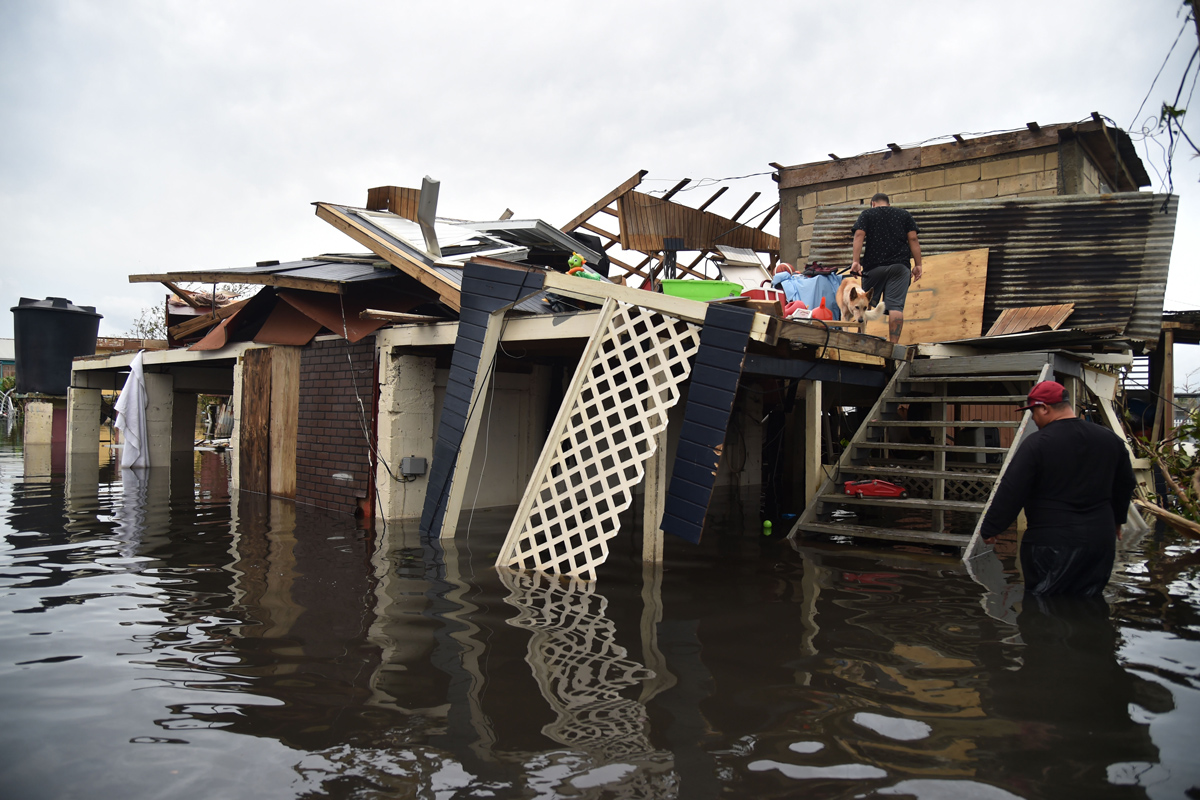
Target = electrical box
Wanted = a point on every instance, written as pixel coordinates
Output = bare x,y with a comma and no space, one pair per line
411,466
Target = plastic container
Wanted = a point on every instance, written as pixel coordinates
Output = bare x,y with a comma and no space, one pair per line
764,293
701,290
49,334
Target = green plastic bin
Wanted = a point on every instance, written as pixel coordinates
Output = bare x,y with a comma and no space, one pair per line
701,290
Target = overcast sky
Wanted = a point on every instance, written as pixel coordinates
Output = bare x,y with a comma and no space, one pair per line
153,136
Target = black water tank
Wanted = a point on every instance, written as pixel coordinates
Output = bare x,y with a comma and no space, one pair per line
49,333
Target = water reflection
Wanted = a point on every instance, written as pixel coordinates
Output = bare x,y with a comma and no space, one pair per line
159,633
582,672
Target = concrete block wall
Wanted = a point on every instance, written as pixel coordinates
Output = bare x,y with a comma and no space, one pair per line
332,454
1031,173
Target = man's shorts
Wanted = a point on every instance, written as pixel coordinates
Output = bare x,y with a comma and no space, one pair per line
893,279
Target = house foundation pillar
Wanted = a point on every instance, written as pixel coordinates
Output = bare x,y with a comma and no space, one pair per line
406,428
160,419
83,422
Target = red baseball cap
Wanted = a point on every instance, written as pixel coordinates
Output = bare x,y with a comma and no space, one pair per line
1046,393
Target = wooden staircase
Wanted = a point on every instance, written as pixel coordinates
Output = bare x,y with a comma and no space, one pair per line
947,459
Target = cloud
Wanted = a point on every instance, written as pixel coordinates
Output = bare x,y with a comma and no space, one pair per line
150,136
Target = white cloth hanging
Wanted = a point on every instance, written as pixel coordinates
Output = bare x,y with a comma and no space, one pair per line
131,417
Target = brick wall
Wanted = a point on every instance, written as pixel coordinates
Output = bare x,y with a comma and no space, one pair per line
329,438
1030,173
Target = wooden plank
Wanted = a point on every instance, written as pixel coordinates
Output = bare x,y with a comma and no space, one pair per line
603,202
647,220
254,443
713,199
814,333
906,503
200,323
587,226
1027,318
814,476
285,419
947,303
282,281
850,356
986,477
952,423
186,297
446,291
1002,366
484,375
888,534
674,190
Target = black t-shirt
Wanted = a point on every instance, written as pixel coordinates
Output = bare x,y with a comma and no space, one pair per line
887,229
1073,479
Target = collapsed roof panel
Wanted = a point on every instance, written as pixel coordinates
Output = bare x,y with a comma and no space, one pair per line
647,222
1108,254
317,274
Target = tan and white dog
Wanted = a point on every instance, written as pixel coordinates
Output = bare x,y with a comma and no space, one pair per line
855,304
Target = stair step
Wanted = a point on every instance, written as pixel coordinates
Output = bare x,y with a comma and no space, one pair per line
977,400
896,502
917,472
891,534
942,423
1025,376
929,447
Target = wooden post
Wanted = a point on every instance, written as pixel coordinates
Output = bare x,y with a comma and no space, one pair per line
254,422
484,377
285,418
655,499
1168,384
813,475
939,464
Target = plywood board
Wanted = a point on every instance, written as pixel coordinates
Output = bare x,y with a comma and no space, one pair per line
1031,318
285,419
947,303
254,444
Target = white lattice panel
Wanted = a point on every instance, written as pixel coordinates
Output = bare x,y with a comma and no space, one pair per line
618,403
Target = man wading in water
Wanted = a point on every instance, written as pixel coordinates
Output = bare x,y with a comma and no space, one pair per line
1074,480
890,235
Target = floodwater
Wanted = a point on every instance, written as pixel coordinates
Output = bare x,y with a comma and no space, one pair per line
162,640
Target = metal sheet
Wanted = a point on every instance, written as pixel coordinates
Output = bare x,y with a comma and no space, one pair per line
1107,254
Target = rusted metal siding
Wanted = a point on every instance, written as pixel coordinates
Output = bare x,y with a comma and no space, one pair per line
1107,254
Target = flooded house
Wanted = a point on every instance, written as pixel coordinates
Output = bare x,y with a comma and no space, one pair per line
514,364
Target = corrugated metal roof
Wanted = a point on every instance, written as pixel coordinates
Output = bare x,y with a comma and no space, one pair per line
310,269
1107,254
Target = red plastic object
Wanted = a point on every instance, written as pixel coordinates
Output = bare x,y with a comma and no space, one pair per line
792,307
874,488
821,312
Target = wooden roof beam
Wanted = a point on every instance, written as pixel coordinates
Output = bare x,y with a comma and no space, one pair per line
186,296
259,279
603,202
767,218
446,291
587,226
712,199
676,189
745,205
